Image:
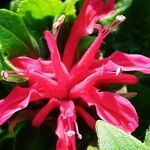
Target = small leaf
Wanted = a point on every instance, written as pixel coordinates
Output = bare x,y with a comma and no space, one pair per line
147,137
39,8
112,138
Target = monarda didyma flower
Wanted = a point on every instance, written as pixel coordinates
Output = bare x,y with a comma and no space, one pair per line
73,86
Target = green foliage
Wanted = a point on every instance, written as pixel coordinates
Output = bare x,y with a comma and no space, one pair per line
15,39
147,137
112,138
40,15
39,8
69,8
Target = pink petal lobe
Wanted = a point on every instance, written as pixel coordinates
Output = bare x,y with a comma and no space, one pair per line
50,86
99,79
39,118
60,69
90,121
26,63
66,127
117,110
89,56
127,62
113,108
17,100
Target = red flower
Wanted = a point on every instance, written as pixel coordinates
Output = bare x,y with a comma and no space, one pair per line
66,84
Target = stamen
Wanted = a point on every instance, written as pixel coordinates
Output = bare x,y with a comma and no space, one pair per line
119,19
6,74
77,131
59,21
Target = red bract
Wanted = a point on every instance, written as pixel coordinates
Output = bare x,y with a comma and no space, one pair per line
73,87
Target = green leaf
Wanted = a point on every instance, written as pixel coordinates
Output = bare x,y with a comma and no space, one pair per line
14,5
39,8
40,15
15,39
112,138
70,9
147,137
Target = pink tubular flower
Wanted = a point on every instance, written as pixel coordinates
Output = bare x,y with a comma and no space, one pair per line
74,87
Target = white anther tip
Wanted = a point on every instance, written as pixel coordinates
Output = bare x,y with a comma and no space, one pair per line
120,18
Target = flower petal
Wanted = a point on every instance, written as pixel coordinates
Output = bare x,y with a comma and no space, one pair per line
60,69
89,56
127,62
26,63
112,108
90,13
90,121
131,62
17,100
39,118
66,127
50,86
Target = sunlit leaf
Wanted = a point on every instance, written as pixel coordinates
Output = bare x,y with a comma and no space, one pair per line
112,138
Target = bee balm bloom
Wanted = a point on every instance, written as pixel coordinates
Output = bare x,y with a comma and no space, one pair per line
73,86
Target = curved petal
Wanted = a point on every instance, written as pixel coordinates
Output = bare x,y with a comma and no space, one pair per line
17,100
39,118
90,121
127,62
89,56
113,108
26,63
59,68
131,62
90,13
102,79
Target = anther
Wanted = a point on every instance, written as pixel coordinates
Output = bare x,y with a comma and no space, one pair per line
57,25
118,20
4,74
59,21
